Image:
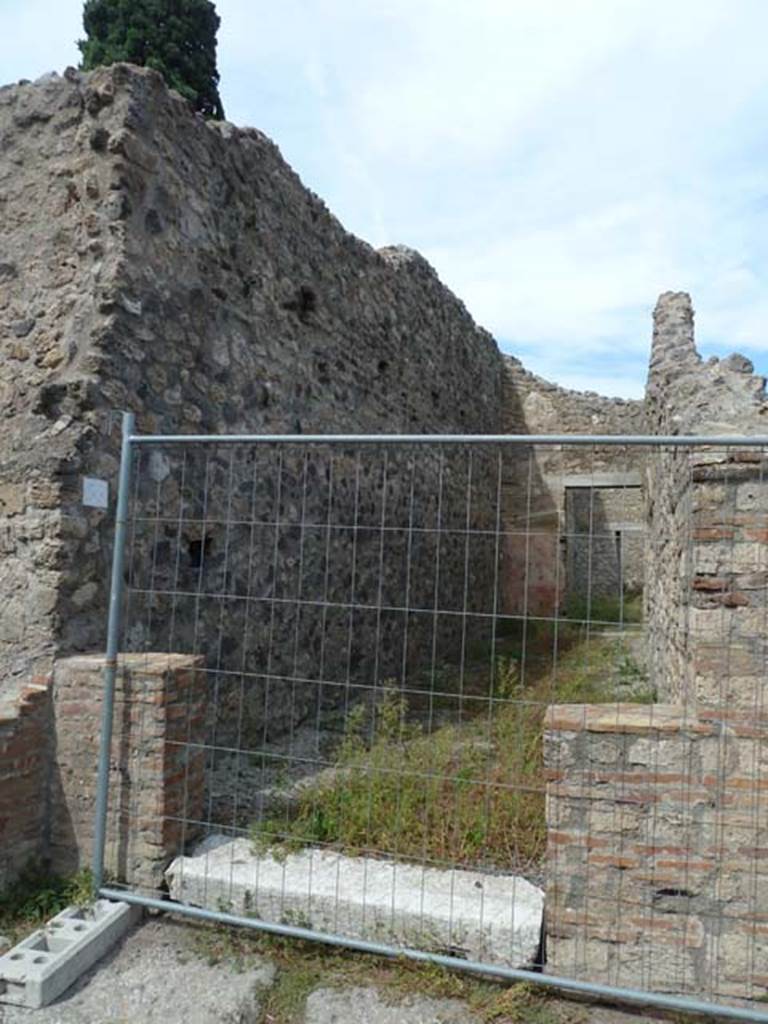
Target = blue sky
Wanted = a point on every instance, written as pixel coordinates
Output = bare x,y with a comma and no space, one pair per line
559,162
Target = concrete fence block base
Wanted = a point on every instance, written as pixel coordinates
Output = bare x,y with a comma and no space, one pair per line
47,962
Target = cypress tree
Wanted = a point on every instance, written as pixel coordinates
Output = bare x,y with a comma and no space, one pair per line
175,37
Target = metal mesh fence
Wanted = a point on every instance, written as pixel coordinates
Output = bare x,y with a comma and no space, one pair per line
441,684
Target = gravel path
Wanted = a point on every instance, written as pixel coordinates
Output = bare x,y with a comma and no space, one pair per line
157,975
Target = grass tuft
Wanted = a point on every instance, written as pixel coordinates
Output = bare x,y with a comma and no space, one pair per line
465,794
598,609
303,967
38,895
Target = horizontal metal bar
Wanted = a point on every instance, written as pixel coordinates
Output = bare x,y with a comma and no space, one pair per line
352,606
608,532
609,992
645,440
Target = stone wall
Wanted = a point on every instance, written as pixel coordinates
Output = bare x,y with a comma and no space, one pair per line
728,593
51,271
604,543
707,512
656,832
309,575
157,764
158,262
656,827
179,268
538,478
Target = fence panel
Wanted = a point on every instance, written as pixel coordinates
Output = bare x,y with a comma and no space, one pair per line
444,682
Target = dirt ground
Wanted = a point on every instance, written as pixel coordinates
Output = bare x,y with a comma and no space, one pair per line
168,970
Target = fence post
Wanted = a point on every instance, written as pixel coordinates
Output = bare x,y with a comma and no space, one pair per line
113,642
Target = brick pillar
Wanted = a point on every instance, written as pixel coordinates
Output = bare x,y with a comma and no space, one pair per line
25,745
657,831
156,781
728,617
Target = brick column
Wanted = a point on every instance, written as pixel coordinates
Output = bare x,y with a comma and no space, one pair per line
657,830
156,782
25,747
729,580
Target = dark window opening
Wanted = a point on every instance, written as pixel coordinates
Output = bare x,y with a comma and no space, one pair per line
199,550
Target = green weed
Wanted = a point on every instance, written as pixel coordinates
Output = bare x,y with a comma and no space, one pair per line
305,966
598,608
469,793
38,895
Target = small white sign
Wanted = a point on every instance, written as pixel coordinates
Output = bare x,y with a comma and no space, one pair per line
95,492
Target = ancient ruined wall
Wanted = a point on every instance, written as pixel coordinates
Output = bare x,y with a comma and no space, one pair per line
179,268
537,479
157,764
727,596
655,827
49,748
604,543
52,269
708,511
26,750
655,830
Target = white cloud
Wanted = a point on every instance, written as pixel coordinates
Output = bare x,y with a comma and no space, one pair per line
560,163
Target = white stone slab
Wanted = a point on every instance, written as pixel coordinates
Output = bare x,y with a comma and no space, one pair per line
491,918
42,966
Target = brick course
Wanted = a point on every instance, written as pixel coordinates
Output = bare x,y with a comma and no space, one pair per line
657,858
